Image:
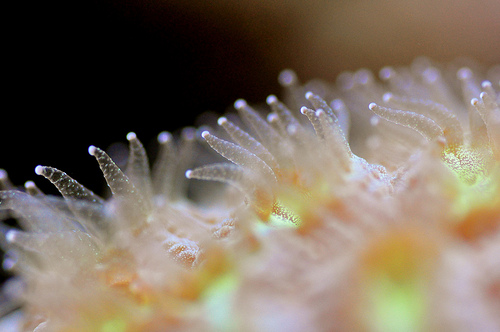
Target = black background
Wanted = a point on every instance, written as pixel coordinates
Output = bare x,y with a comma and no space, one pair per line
82,73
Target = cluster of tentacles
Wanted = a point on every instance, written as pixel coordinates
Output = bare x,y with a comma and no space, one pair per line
365,205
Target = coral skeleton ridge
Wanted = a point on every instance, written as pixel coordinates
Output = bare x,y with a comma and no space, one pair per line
365,205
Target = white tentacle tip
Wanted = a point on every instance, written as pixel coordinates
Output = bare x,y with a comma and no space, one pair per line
92,150
131,136
39,170
164,137
240,104
372,106
320,112
3,174
287,77
30,184
464,73
11,235
309,95
303,110
272,118
188,173
337,104
387,97
222,121
386,73
271,99
205,134
486,84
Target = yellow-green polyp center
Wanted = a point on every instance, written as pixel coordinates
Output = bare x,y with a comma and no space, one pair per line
468,164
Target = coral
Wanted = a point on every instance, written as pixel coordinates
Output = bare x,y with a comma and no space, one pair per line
363,205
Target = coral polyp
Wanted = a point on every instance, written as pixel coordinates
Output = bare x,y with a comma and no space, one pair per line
364,205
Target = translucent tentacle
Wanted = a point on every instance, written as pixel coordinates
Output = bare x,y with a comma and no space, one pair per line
239,155
490,113
268,136
320,103
253,187
447,120
54,245
472,90
184,159
336,139
313,118
81,201
117,181
138,167
333,122
437,89
343,115
35,215
32,189
422,124
223,172
291,125
67,186
249,143
165,165
130,199
5,183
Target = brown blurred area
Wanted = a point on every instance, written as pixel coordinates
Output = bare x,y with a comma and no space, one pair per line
321,38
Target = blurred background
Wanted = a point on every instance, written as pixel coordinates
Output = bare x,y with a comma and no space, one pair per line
88,72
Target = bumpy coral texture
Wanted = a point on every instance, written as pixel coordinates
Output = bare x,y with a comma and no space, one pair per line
365,205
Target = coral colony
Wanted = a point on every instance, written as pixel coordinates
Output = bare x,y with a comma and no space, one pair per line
365,205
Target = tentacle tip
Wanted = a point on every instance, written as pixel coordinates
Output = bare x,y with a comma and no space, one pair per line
205,134
372,106
474,101
240,104
486,84
131,136
164,137
337,104
386,73
222,121
188,133
3,174
30,184
92,150
320,112
309,95
11,236
303,110
431,75
188,174
39,170
287,77
387,97
271,99
464,73
272,118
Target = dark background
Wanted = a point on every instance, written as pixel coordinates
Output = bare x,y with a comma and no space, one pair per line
77,73
82,73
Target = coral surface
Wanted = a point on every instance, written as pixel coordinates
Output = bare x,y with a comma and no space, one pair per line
365,205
